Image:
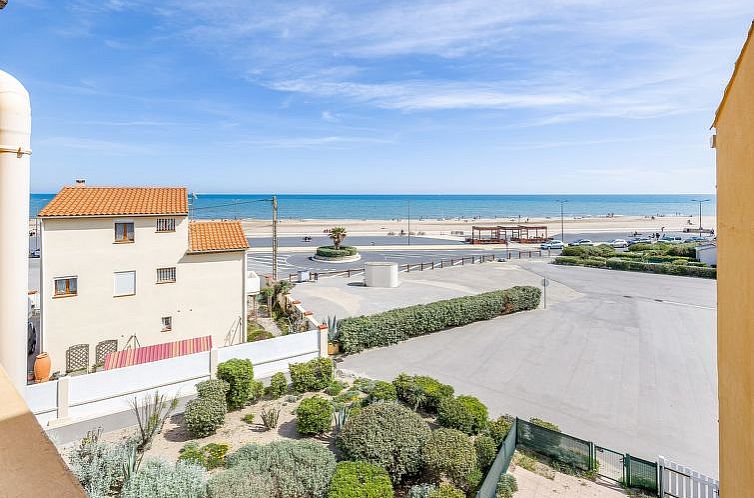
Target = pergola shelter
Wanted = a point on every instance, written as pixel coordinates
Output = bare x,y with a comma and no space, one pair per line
501,234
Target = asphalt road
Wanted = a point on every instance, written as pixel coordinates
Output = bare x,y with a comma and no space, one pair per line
629,364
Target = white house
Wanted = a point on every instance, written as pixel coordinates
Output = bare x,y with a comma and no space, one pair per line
124,267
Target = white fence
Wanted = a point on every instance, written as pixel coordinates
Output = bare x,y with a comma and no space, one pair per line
70,399
678,481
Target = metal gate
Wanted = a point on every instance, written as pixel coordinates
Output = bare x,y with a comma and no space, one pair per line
610,464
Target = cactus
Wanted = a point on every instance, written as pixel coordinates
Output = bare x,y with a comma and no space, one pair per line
340,417
332,328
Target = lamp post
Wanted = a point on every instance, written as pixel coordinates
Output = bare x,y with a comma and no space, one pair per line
562,229
700,201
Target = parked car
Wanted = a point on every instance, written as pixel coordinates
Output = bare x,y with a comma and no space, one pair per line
581,242
697,238
552,244
618,243
670,239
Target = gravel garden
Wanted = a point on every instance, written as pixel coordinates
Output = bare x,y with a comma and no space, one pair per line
313,433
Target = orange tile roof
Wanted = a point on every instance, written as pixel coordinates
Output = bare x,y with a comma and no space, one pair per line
117,201
216,236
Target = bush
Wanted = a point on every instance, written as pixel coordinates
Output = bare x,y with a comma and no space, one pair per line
668,269
160,479
210,456
382,391
641,247
299,469
390,327
360,480
420,391
544,423
236,483
498,429
314,416
278,385
465,413
421,490
214,389
204,416
239,374
602,250
446,491
256,391
450,454
506,486
388,435
335,388
98,466
486,451
313,375
331,252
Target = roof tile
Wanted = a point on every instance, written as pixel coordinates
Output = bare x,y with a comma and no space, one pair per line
117,201
216,236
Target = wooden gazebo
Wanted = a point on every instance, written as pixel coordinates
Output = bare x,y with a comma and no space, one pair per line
501,234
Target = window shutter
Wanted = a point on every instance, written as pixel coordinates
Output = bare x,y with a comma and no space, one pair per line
124,283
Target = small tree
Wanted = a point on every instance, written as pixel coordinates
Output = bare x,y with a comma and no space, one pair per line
337,234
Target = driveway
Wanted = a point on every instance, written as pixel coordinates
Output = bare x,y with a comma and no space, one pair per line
627,360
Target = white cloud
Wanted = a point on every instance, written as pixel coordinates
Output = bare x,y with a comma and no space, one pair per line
309,142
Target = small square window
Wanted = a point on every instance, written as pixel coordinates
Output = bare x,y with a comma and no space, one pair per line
66,286
166,275
167,323
124,283
166,224
124,232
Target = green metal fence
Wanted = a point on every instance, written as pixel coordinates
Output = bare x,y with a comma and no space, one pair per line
561,447
499,467
640,473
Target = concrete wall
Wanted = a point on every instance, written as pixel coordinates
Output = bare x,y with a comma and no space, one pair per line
735,279
206,299
71,399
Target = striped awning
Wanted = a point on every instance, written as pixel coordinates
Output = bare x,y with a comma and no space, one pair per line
146,354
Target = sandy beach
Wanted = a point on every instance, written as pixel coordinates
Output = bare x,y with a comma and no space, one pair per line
439,227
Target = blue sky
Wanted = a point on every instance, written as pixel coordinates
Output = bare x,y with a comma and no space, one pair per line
310,96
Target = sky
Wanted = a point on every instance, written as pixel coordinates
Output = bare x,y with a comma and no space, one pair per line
318,96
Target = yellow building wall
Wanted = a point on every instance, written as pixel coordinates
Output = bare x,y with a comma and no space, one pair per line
735,281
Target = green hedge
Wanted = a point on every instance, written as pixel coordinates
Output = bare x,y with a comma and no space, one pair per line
314,416
594,262
602,250
239,374
390,327
314,375
331,252
667,269
421,391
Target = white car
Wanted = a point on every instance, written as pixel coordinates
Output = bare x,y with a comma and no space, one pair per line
618,243
552,244
581,242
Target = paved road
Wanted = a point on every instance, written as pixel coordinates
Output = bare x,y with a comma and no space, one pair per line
354,240
630,364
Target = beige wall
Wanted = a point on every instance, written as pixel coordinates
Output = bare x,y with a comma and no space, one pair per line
207,298
735,281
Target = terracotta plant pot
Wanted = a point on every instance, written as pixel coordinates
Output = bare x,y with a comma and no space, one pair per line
333,348
42,368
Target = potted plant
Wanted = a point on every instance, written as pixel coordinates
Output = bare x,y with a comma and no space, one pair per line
333,346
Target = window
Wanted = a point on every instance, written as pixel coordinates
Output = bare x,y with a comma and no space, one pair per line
124,283
124,232
165,275
66,286
166,224
167,323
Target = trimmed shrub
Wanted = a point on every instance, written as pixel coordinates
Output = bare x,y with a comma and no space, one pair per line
237,483
663,268
256,391
421,490
602,250
544,423
446,491
214,389
465,413
299,469
390,327
506,486
388,435
239,374
331,252
360,480
98,466
641,247
450,454
314,416
420,391
382,391
593,261
204,416
313,375
210,456
335,388
498,429
160,479
278,385
486,451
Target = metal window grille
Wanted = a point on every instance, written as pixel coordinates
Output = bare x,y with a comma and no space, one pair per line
167,323
166,224
166,275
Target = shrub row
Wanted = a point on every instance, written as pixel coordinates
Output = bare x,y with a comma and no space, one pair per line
331,252
602,250
664,268
390,327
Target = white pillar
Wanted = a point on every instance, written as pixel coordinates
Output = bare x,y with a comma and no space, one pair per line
15,132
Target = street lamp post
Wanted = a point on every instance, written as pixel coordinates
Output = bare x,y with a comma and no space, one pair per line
562,226
700,201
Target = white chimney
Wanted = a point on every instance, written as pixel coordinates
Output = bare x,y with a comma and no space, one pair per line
15,134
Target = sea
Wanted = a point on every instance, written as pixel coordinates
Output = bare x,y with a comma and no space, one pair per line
439,207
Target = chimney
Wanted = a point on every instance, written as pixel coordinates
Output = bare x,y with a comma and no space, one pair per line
81,182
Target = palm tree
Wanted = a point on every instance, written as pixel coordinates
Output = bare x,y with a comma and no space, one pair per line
337,235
